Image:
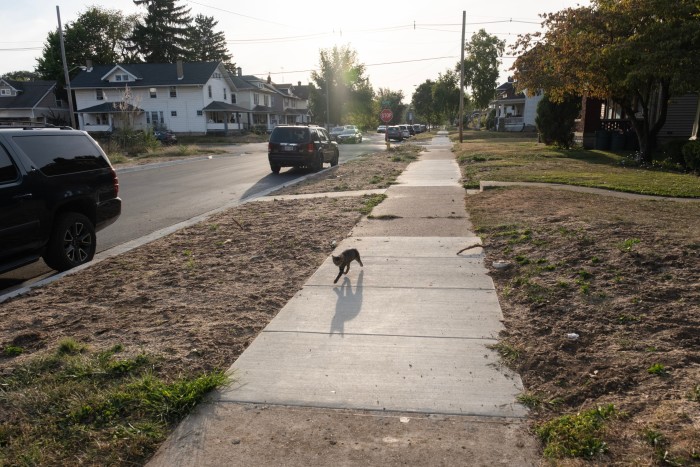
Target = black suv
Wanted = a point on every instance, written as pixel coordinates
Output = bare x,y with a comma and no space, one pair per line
57,188
301,146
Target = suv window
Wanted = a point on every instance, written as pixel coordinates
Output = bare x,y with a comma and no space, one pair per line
61,154
283,134
8,171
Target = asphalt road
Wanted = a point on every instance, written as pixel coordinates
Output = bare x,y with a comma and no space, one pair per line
161,195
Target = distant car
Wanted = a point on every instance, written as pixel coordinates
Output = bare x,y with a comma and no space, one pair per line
166,137
405,132
335,131
350,135
301,146
417,128
394,133
381,129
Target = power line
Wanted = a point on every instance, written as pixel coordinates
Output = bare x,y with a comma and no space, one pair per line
368,65
234,13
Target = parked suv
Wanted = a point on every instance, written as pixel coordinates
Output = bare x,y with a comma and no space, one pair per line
57,188
301,146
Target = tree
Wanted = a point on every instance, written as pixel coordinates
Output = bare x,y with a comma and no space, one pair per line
98,35
162,37
446,96
636,53
206,45
423,103
555,120
481,64
393,100
341,77
21,75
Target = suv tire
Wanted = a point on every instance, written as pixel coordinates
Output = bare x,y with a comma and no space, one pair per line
318,163
275,168
73,242
334,161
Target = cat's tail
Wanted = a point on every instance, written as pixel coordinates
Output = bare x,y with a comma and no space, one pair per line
359,260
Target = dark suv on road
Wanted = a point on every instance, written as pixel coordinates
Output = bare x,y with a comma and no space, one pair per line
57,188
301,146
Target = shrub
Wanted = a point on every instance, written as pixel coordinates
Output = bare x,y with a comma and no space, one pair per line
673,151
691,154
555,120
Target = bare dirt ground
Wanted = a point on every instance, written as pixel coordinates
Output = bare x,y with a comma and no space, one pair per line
623,275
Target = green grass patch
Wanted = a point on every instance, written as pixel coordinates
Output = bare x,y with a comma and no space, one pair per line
371,201
579,435
508,353
657,369
495,156
12,351
102,408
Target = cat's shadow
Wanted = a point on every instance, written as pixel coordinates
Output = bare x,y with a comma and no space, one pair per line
348,304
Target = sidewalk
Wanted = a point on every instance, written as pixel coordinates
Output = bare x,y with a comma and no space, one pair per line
388,367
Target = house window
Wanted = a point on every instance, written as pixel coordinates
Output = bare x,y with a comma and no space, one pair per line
173,91
99,95
121,77
199,113
233,98
152,92
256,99
59,103
272,101
5,92
209,88
224,93
173,113
266,99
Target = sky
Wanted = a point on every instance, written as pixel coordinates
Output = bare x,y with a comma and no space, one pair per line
401,45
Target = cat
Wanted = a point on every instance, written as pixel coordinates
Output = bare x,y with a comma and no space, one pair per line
344,259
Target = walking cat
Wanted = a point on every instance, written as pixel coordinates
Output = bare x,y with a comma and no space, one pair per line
344,259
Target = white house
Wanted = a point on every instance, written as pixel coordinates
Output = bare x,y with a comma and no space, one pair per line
189,98
31,102
515,111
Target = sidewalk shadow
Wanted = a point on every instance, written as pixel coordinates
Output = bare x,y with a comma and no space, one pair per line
348,305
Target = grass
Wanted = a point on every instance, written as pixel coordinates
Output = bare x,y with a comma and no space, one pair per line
77,405
579,435
494,156
370,202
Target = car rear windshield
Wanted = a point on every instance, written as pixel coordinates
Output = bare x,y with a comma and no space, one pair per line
61,154
289,135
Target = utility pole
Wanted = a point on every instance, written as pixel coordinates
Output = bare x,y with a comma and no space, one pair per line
461,82
65,68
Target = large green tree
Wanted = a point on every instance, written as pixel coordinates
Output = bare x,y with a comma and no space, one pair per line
162,36
446,96
98,35
340,89
638,53
204,44
424,104
21,75
392,100
481,62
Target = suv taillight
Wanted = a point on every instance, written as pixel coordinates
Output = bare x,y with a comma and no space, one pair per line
115,182
310,148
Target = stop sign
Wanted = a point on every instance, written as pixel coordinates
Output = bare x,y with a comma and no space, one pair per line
386,115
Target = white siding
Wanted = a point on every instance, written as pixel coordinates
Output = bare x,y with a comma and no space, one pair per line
530,110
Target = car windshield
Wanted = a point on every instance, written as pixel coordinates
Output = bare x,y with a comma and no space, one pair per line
348,132
289,135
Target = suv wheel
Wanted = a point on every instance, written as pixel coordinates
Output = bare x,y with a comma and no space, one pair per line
72,242
318,163
275,168
334,160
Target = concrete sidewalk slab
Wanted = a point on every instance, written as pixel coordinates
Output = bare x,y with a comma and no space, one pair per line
447,273
425,247
408,227
431,172
394,373
423,202
350,309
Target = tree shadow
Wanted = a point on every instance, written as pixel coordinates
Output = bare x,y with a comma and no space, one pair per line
348,305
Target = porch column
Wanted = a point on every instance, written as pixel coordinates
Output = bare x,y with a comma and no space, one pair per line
696,124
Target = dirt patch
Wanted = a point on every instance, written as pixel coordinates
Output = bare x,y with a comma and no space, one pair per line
602,306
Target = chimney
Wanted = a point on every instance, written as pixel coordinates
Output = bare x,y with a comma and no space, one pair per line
269,80
239,70
88,65
180,72
299,83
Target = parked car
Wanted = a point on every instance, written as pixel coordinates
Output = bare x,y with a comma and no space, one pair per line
350,136
411,130
417,128
167,138
405,132
301,146
57,189
381,129
394,133
335,131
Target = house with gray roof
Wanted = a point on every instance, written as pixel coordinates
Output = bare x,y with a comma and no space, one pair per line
515,111
24,102
186,98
